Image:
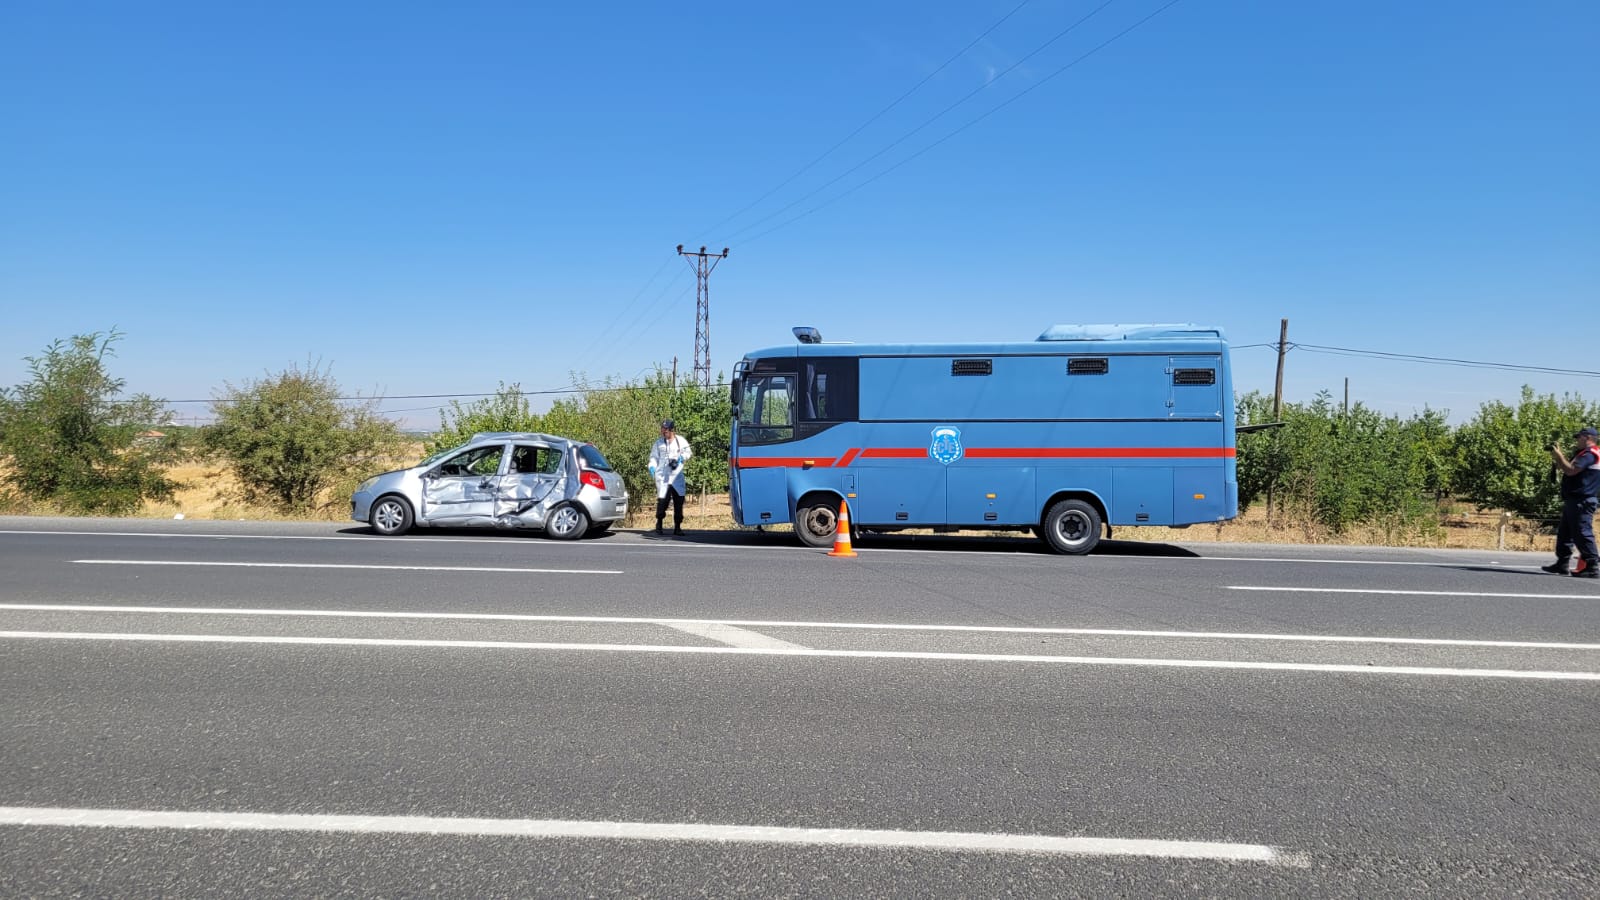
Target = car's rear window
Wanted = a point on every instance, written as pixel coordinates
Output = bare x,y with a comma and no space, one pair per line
593,458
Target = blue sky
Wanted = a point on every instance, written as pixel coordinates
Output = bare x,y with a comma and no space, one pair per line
433,199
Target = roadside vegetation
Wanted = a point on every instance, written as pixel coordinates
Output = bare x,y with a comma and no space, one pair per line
292,445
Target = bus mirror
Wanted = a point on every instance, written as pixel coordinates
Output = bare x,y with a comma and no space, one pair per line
738,388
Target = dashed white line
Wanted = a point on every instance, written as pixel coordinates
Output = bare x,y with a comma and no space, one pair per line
1525,674
732,635
779,623
397,568
959,841
1410,593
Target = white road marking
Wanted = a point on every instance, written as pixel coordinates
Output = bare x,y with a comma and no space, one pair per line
1355,562
778,623
732,635
1527,674
978,842
525,541
385,568
1395,591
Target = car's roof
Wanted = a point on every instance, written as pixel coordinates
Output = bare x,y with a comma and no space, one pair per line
502,436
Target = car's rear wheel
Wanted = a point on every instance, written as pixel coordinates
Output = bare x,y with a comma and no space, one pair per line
567,522
391,515
816,523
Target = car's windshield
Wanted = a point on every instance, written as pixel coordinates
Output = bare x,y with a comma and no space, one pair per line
436,457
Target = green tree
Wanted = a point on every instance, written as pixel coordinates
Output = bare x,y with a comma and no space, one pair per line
506,410
1339,468
1502,457
623,420
68,440
290,439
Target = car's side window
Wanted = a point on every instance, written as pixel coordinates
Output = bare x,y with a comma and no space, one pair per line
477,461
531,460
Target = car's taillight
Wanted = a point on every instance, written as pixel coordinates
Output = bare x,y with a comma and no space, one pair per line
592,479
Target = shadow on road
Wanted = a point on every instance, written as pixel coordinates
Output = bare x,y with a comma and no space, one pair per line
868,541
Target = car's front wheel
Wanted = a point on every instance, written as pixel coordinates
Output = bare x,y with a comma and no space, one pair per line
567,522
391,515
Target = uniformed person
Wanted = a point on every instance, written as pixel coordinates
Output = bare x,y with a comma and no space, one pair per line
1580,485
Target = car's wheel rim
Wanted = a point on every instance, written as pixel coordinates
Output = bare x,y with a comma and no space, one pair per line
389,516
564,521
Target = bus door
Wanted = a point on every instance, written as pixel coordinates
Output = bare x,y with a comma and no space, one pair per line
764,426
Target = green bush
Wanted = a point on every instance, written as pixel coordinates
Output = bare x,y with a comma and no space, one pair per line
68,441
290,440
507,410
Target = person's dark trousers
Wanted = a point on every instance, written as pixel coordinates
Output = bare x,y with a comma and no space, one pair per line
677,510
1577,527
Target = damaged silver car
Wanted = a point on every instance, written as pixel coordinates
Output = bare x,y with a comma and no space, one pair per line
543,482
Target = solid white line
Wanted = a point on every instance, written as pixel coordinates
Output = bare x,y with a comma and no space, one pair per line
1354,562
524,541
652,831
1393,591
732,636
1529,674
776,623
274,565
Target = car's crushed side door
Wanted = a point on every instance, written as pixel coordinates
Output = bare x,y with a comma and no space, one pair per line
535,481
462,489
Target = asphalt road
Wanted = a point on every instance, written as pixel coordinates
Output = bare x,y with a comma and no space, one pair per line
232,709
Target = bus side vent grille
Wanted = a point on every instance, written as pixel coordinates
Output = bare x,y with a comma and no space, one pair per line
971,366
1194,376
1088,366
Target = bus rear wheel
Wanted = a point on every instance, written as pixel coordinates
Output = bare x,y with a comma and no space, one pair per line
815,524
1072,526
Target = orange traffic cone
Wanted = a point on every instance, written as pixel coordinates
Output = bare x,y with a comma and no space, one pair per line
841,533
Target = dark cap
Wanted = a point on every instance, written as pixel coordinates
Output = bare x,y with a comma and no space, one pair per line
1588,432
668,424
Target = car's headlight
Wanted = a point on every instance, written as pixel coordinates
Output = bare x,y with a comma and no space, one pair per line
367,485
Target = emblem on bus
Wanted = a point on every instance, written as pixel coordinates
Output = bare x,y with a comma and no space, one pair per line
946,446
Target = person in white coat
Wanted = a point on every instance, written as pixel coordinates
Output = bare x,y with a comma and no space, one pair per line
668,458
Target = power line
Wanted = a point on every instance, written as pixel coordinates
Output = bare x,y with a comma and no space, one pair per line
1443,360
939,115
871,119
1030,89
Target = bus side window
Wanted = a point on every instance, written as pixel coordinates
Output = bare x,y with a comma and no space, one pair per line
829,390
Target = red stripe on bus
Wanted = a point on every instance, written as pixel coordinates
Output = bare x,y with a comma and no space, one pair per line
826,462
894,452
784,462
1098,452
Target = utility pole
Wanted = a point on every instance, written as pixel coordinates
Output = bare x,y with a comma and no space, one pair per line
702,263
1347,397
1277,390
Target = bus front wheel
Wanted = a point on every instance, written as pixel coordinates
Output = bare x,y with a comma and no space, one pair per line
1072,526
816,524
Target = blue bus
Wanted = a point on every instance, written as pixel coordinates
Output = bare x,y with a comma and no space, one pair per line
1087,427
